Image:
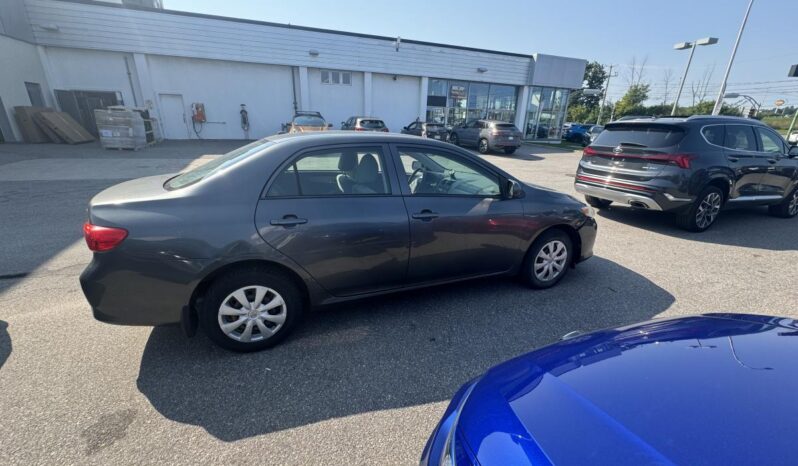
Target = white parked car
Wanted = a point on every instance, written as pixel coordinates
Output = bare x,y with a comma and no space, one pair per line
793,138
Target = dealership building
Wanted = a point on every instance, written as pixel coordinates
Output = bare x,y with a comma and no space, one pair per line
77,55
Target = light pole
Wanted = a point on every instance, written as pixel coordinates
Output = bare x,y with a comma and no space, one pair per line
719,101
751,100
604,98
792,74
692,46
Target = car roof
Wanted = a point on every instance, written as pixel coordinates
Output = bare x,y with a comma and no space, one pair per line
690,119
345,137
703,389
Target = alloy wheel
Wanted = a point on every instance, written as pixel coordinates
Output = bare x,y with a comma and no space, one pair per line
252,313
793,206
708,210
483,146
550,261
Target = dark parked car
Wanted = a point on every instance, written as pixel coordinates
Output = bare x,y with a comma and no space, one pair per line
487,135
427,130
577,133
711,389
304,122
690,166
593,133
248,242
363,123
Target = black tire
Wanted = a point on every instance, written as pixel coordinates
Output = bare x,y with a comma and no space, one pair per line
510,150
225,285
689,220
788,208
597,202
528,274
482,146
454,139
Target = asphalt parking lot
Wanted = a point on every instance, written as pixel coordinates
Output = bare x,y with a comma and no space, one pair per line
361,383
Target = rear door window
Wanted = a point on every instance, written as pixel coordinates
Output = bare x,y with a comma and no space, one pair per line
740,137
641,135
713,134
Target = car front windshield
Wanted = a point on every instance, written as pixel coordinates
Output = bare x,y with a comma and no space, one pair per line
308,120
220,163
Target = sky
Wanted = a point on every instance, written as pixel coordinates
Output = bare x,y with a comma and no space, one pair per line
616,32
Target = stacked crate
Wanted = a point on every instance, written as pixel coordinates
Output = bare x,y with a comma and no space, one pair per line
123,128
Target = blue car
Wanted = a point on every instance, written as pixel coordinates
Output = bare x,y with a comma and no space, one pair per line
710,389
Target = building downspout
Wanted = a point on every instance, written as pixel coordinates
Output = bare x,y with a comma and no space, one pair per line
130,81
294,70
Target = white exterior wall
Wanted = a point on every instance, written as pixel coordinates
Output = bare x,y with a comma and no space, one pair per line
336,102
91,70
96,26
223,86
21,58
395,102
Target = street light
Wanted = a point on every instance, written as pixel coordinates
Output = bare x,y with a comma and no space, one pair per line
692,46
751,100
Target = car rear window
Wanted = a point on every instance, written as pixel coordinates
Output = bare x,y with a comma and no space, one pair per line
504,126
644,135
220,163
372,124
305,120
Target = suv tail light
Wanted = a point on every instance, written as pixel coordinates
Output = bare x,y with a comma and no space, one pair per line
680,160
100,239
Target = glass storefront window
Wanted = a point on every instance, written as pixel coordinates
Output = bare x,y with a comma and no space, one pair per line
459,101
545,113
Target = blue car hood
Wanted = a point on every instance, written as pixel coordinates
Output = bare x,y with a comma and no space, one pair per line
713,389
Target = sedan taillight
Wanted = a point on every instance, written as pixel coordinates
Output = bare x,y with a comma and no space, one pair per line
100,239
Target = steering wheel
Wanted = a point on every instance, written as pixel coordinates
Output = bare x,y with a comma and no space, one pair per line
415,179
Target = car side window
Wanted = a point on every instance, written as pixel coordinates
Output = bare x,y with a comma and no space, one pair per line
713,134
431,172
412,126
770,142
333,172
740,137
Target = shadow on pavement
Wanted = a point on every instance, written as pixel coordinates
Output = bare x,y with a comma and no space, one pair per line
400,350
5,343
750,227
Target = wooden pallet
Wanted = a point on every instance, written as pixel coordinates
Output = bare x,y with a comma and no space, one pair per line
64,126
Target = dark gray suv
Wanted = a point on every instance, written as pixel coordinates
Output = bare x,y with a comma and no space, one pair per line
248,242
487,135
691,166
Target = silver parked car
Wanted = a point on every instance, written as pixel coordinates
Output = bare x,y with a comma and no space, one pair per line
487,135
427,130
363,123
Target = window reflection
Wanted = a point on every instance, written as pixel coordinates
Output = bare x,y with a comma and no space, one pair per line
456,102
545,113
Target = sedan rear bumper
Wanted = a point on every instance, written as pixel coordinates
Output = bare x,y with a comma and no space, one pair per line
131,291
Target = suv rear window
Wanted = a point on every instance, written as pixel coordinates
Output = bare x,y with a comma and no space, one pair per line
372,124
644,135
504,125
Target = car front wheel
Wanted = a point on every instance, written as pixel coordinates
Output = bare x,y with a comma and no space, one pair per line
547,260
483,146
454,139
250,309
788,208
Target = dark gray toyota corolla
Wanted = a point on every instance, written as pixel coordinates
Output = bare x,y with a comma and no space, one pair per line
248,242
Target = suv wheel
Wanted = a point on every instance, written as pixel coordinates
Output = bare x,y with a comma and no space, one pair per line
454,139
704,211
483,146
788,208
547,260
597,202
250,309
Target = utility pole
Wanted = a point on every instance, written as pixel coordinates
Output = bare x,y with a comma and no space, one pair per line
719,100
604,99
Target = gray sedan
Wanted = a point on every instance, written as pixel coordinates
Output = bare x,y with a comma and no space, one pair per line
245,244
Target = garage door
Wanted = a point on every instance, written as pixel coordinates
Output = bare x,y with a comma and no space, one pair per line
395,101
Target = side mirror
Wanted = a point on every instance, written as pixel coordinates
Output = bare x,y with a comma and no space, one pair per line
513,190
416,165
793,152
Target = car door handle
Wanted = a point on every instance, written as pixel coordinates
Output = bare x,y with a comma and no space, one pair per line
289,221
733,159
425,214
772,161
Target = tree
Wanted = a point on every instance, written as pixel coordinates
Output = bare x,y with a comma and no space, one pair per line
632,102
667,85
595,77
636,72
700,89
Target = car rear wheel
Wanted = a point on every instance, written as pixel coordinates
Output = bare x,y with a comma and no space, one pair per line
547,260
704,211
788,208
597,202
250,309
482,147
454,139
510,150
